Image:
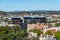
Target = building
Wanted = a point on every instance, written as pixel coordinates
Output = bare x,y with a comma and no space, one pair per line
16,20
35,19
33,26
32,35
47,37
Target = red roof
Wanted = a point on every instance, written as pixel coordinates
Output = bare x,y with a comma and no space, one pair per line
53,30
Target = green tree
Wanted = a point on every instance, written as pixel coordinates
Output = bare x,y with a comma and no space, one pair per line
16,28
48,32
57,24
38,31
15,34
57,35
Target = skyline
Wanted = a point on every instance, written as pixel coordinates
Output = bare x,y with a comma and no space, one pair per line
29,5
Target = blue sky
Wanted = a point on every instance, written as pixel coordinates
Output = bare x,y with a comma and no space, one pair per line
29,5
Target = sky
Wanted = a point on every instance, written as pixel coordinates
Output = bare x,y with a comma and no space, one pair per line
29,5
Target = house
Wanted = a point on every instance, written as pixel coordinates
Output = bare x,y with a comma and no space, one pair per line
46,37
32,35
16,20
37,26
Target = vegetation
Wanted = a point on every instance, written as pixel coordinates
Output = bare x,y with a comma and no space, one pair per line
49,32
38,31
57,34
57,24
7,34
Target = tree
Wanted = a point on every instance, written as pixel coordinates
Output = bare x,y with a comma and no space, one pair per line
15,34
16,28
38,31
48,32
57,35
57,24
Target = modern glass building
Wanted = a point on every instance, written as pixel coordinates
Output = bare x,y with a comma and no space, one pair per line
30,20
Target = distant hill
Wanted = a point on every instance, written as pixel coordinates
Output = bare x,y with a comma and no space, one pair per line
33,12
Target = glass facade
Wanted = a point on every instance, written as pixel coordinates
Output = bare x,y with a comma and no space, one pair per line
30,20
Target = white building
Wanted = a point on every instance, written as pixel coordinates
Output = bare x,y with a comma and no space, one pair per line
32,35
46,37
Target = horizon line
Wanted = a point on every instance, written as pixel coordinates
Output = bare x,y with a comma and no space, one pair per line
28,10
